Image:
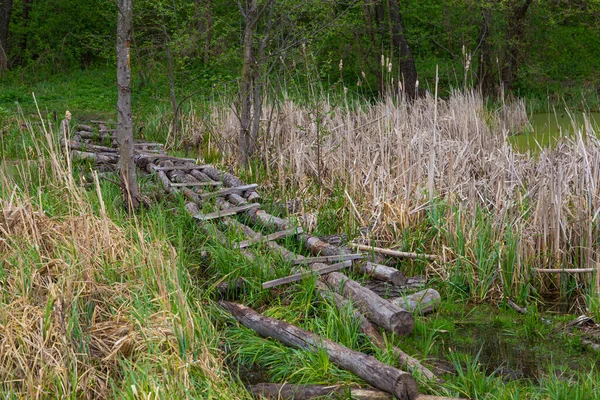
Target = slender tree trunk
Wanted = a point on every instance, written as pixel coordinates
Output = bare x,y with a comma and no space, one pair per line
25,17
245,96
514,38
5,12
172,92
129,187
485,67
405,57
209,31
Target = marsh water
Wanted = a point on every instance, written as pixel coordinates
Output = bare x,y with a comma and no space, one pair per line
546,128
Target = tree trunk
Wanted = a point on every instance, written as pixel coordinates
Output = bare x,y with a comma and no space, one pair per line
373,371
25,21
405,57
485,68
514,37
5,12
246,84
129,186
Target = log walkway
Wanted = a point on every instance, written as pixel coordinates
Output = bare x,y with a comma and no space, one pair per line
226,198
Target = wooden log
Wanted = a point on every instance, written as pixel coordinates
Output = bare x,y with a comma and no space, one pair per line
373,333
317,268
88,147
321,248
225,213
107,158
394,253
287,391
383,273
195,184
202,177
230,180
82,127
386,289
211,230
259,217
381,376
268,238
344,257
285,253
385,314
95,136
514,305
564,270
187,167
422,302
228,191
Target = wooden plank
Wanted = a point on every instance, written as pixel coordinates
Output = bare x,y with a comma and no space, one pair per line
325,269
225,192
192,184
394,253
180,167
268,238
226,213
341,257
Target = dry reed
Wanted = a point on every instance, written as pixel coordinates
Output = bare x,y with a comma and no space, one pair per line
66,327
385,153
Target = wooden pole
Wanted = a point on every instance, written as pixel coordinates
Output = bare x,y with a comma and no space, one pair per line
394,253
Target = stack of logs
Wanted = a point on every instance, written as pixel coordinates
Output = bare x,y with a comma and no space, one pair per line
231,196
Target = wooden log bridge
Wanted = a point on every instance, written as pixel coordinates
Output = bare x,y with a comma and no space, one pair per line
205,185
382,376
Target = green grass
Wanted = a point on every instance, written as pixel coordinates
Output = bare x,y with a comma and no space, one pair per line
166,281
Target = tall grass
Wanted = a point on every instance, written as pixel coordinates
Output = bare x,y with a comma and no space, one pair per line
91,306
498,212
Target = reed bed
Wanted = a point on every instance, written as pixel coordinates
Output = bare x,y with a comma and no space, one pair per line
496,212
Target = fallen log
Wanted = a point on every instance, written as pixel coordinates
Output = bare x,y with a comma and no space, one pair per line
388,290
383,273
385,314
285,253
316,268
422,302
514,305
287,391
211,231
259,217
82,127
88,147
382,376
400,254
230,180
339,258
373,333
95,157
271,237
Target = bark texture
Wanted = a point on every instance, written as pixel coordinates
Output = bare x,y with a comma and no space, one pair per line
129,186
385,314
380,375
405,56
5,12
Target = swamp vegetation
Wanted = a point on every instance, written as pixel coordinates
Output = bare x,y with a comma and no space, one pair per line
499,178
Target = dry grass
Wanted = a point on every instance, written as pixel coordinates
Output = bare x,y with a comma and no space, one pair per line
91,309
395,162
